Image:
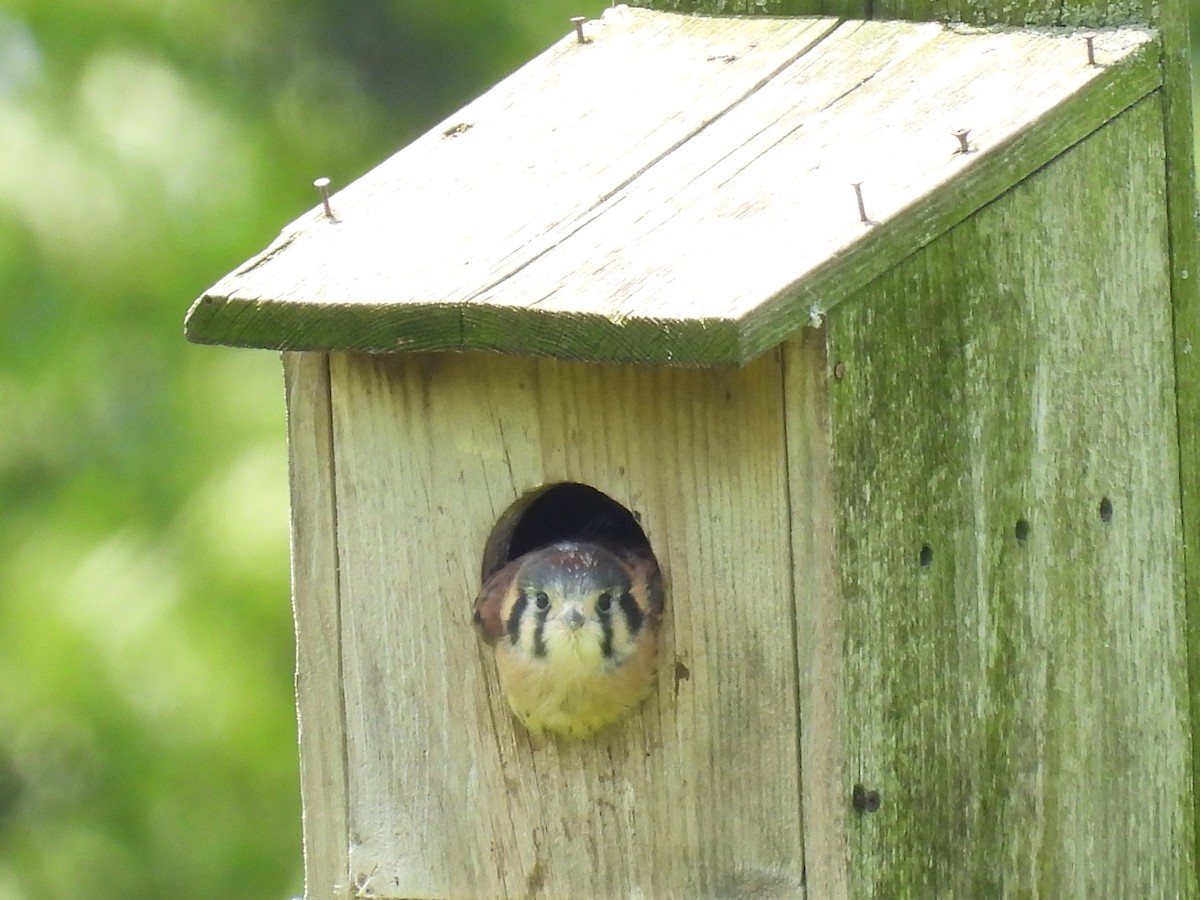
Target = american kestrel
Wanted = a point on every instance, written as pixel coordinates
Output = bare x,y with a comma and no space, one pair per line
575,628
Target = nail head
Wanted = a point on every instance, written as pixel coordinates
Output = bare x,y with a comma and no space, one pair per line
322,185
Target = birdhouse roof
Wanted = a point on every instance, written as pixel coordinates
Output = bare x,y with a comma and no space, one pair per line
677,189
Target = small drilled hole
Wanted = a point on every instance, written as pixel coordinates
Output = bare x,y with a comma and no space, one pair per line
1021,531
926,556
1106,510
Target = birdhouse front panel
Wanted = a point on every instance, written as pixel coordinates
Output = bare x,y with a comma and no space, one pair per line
1011,550
698,793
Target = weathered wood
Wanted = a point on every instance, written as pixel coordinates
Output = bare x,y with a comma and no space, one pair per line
763,196
842,274
1015,664
846,8
1030,13
315,603
694,210
699,793
1172,19
495,185
819,638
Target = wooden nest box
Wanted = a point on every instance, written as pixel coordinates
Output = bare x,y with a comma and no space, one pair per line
881,334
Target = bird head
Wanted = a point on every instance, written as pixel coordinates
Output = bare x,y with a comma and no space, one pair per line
573,606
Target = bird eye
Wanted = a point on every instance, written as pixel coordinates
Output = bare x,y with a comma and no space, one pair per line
604,602
541,600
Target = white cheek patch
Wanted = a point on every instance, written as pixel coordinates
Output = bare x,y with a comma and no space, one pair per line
618,637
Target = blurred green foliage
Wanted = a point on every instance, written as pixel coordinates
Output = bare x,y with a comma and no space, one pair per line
147,735
147,732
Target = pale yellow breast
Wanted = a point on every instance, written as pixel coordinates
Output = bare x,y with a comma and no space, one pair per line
574,694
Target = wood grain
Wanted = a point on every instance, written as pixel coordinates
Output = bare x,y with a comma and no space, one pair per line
1171,18
498,183
315,604
677,190
1020,702
719,252
819,634
698,795
759,7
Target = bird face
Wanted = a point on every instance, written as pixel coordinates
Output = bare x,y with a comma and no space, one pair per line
573,611
575,629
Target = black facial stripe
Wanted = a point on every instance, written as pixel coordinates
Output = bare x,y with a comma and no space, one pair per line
606,623
633,613
513,625
539,645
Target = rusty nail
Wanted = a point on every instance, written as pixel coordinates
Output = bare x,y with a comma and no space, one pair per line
839,370
862,209
578,21
963,145
1090,37
322,185
865,800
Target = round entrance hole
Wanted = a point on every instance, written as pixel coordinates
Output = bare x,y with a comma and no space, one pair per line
567,511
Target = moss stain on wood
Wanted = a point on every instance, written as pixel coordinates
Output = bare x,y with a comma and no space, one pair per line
1020,704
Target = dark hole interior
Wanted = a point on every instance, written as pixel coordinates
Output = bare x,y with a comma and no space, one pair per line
567,511
926,557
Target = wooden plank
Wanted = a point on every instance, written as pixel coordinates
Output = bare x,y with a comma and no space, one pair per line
1011,160
1020,690
720,253
698,795
1028,13
1171,18
856,10
315,603
819,636
695,222
497,183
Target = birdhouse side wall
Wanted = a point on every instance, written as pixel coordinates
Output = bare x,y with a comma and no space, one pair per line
437,790
1010,546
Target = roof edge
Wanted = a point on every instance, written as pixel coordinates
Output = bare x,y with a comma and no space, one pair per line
886,245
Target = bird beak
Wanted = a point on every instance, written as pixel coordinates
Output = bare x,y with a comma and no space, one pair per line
573,618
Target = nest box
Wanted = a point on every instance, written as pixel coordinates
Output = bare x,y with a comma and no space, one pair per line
879,334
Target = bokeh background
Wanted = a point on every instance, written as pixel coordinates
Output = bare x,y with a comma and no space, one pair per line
147,733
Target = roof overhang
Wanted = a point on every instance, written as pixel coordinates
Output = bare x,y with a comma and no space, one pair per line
678,189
